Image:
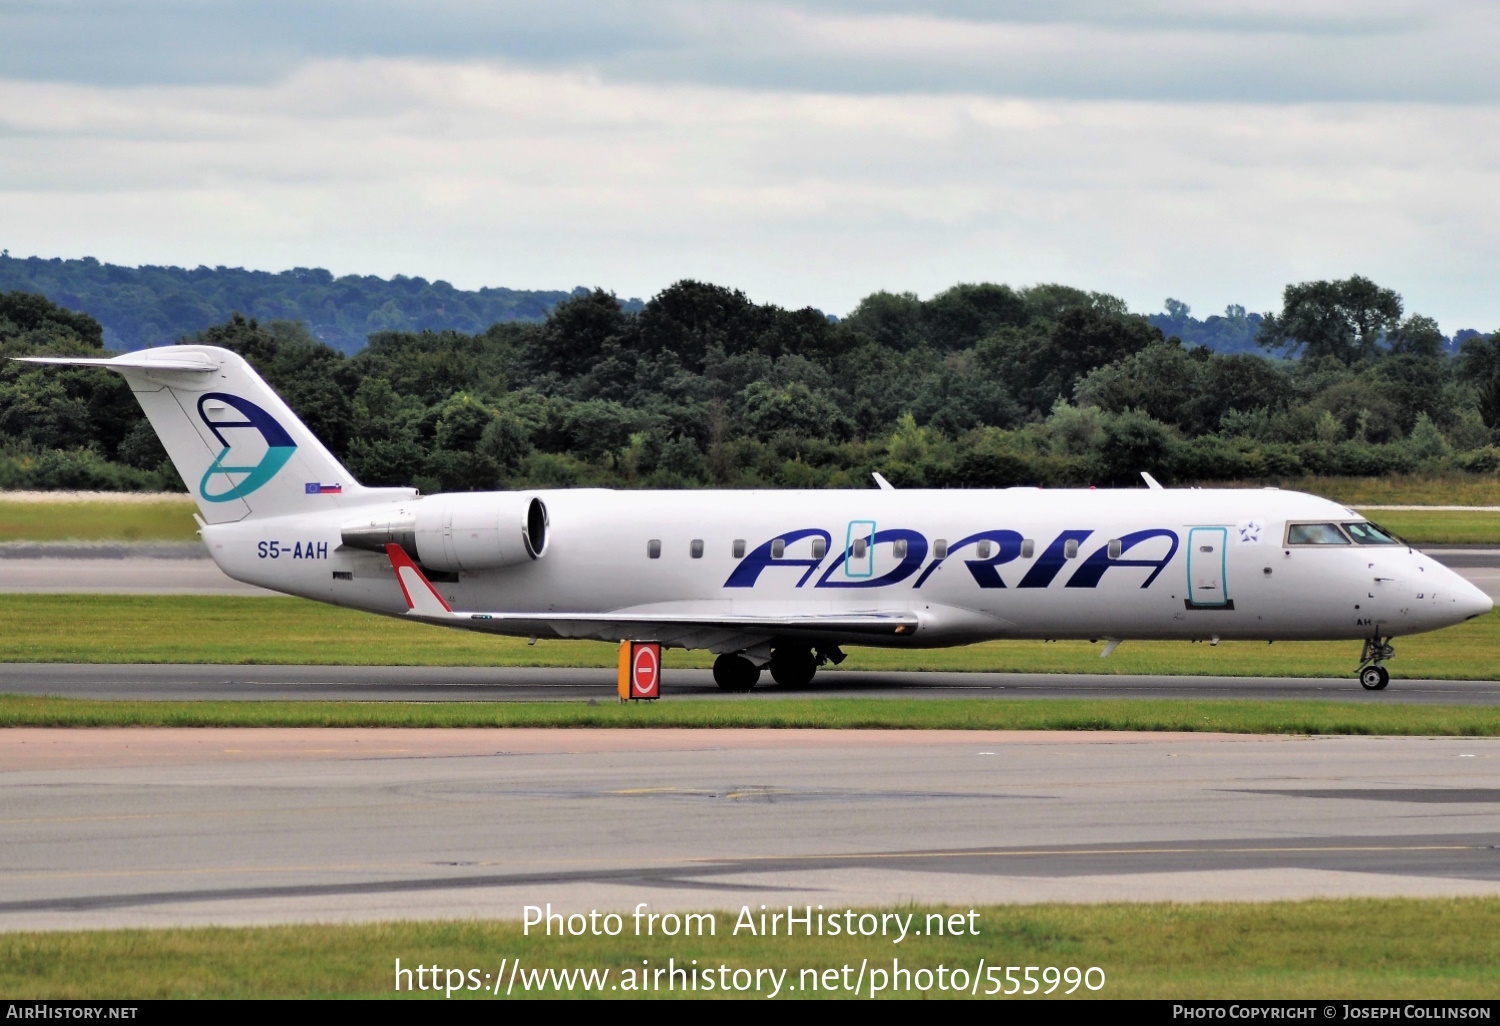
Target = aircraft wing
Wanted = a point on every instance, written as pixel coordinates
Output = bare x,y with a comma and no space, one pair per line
715,630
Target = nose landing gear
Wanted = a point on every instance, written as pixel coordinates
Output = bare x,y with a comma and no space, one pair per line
1372,675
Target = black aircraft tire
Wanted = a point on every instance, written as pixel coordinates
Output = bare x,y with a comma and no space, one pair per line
1374,678
735,673
794,669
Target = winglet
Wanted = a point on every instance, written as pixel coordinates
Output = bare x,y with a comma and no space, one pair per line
421,597
1152,483
885,486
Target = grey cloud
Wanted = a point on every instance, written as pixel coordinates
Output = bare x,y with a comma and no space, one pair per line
1339,17
1253,51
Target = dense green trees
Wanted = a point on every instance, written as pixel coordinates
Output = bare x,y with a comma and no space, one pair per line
979,386
67,427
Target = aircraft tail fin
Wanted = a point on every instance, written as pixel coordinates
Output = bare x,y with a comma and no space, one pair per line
240,449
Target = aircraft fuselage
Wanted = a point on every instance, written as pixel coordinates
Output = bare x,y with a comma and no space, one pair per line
969,564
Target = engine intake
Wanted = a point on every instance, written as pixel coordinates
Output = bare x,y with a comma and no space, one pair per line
482,531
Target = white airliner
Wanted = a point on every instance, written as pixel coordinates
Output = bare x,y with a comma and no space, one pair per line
778,578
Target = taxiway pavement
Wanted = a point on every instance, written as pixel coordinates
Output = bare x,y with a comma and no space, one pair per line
164,826
115,569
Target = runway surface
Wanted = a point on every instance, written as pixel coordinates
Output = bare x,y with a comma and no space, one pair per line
514,684
115,569
153,827
185,569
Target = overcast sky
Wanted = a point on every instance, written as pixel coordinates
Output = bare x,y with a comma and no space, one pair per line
808,152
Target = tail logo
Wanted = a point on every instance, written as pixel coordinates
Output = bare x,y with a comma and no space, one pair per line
258,445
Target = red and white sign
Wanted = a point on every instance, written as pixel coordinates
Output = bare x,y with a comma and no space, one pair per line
645,671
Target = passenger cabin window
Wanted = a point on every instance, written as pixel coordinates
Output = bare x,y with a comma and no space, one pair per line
1115,548
739,548
1028,546
820,548
1365,533
1315,534
1070,548
653,548
898,548
859,548
940,549
778,548
982,548
697,548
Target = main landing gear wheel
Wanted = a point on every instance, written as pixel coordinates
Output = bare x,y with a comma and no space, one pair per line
793,667
735,673
1374,678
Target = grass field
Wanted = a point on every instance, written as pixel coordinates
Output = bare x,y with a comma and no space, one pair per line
231,629
1439,527
1401,948
1196,715
1456,489
167,520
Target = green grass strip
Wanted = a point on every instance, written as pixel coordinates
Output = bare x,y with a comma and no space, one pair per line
101,521
1214,715
1440,527
1409,949
231,629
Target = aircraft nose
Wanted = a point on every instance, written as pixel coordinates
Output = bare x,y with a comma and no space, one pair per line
1464,600
1472,602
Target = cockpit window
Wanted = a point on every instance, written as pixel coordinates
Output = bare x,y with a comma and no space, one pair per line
1315,534
1365,533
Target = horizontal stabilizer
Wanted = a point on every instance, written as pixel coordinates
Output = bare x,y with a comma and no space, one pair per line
240,449
195,362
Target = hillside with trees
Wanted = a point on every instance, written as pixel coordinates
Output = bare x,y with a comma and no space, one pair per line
979,386
155,306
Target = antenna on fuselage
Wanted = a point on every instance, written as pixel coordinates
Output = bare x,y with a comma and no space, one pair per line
885,486
1151,482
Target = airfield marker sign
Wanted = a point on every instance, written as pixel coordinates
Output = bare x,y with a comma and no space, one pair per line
645,671
639,671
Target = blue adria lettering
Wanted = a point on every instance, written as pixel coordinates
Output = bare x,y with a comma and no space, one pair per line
1093,568
748,571
1153,548
985,575
1049,563
916,551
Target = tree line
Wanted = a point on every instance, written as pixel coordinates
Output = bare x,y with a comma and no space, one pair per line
982,385
153,306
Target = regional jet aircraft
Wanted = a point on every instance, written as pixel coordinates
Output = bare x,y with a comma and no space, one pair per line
778,579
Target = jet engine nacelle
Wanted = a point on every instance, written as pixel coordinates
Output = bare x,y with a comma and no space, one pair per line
482,531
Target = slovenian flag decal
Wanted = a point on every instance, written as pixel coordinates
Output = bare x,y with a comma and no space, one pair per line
314,488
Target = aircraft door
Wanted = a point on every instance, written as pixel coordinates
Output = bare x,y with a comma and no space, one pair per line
859,549
1207,587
